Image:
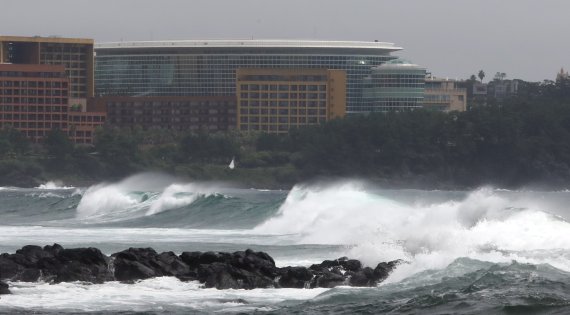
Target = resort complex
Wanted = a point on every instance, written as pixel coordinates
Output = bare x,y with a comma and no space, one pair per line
213,85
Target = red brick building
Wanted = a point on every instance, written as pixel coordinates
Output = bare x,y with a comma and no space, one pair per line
33,98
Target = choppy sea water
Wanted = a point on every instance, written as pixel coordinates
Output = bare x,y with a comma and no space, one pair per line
468,252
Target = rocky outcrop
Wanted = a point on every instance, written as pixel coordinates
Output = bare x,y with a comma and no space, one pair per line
55,264
239,270
143,263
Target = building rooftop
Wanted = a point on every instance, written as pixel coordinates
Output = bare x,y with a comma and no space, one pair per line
252,43
49,39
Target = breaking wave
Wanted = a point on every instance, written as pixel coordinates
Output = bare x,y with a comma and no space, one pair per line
483,225
137,196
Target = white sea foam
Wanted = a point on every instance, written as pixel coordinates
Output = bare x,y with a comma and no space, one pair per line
53,185
166,294
483,226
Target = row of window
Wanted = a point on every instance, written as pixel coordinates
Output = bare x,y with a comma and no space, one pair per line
283,103
274,128
85,118
40,84
45,92
293,111
138,104
32,108
282,87
34,125
26,74
284,95
32,117
33,100
167,120
166,112
262,77
282,120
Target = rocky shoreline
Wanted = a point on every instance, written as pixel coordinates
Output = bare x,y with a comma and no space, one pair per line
239,270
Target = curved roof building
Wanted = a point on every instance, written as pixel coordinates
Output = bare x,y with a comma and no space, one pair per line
208,67
396,85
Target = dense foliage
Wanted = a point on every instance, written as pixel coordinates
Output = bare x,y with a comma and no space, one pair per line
518,141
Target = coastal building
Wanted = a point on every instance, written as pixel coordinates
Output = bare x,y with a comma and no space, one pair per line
212,113
208,67
83,120
276,100
75,54
444,95
44,85
501,89
396,85
33,98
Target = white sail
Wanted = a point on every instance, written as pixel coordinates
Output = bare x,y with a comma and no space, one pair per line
232,164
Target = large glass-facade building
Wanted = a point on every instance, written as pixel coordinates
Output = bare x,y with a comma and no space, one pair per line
208,68
397,85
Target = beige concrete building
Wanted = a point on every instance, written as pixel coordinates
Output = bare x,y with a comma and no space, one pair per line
75,54
276,100
444,95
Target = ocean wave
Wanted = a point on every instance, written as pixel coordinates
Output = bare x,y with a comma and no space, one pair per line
483,225
137,196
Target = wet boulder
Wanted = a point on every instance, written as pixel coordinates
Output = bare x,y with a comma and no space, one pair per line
226,276
295,277
143,263
53,263
383,270
78,264
8,268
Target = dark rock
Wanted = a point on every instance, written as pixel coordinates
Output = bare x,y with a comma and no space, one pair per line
53,249
295,277
172,265
81,264
239,270
225,276
351,264
362,278
327,279
191,259
258,262
30,255
143,263
53,263
136,264
8,268
383,270
4,288
29,275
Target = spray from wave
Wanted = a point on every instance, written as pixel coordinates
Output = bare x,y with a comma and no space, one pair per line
53,185
484,225
140,195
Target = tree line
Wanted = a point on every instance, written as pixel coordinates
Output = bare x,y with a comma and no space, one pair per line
517,141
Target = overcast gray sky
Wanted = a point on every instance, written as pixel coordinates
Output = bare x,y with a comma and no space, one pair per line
527,39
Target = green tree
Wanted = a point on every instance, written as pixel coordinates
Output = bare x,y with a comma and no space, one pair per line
481,75
58,144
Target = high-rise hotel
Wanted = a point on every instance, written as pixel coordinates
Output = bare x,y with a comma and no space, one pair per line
45,83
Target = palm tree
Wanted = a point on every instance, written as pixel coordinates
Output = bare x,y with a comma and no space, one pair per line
481,75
